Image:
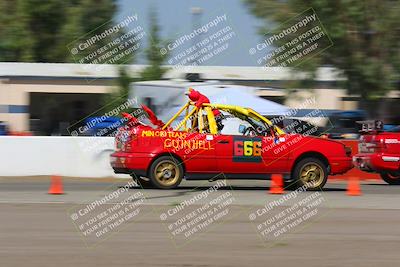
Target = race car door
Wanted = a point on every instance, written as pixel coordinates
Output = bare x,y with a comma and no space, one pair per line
198,153
275,153
238,154
197,147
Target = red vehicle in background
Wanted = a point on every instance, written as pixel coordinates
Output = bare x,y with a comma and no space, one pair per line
204,146
379,151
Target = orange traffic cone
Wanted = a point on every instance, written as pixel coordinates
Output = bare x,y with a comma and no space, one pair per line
56,187
353,187
276,184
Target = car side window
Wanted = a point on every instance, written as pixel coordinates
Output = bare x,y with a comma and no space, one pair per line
234,125
231,125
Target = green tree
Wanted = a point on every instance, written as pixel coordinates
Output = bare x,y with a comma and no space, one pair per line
154,57
87,19
154,71
40,31
122,90
365,35
16,43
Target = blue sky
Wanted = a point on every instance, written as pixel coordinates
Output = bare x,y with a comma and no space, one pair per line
175,19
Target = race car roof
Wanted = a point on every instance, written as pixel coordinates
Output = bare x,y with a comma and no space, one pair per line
238,97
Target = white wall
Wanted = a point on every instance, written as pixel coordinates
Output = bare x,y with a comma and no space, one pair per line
56,155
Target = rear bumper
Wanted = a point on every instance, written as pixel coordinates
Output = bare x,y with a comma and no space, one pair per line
377,162
137,173
340,165
129,163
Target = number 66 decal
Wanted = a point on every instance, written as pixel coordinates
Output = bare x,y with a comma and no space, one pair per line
247,149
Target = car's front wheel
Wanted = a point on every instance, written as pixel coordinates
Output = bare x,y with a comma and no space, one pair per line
391,178
310,172
166,172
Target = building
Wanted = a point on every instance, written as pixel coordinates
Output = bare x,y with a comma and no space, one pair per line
48,98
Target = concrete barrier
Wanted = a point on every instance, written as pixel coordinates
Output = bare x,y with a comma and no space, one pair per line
56,155
82,157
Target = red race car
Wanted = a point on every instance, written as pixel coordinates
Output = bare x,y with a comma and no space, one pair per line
206,145
379,151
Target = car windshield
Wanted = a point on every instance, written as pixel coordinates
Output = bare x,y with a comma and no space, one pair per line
258,123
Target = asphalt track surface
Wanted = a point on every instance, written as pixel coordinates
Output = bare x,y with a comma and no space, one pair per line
37,229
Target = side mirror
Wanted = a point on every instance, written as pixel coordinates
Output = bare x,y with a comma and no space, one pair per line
242,128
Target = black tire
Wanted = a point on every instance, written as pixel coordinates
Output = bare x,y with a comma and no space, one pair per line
166,172
310,170
142,182
391,178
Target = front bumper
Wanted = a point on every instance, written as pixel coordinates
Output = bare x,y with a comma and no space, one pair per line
376,162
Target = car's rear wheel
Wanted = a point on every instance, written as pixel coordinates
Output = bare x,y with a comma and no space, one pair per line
310,172
166,172
391,178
